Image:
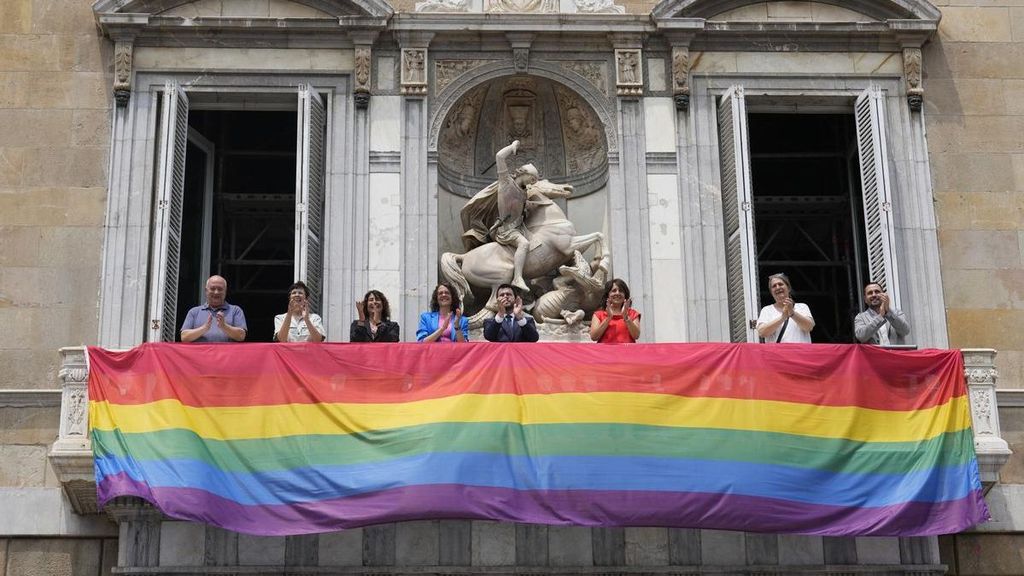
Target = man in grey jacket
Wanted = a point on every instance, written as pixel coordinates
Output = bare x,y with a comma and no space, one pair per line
881,323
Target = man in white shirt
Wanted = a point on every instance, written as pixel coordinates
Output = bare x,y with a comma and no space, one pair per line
881,323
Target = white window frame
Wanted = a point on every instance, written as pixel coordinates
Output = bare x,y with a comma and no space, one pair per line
132,275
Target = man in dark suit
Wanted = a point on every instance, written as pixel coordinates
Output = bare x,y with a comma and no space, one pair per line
511,323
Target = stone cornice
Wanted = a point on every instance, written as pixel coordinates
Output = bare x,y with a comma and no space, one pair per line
30,398
534,23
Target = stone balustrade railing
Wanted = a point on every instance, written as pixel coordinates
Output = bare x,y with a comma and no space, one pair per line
71,454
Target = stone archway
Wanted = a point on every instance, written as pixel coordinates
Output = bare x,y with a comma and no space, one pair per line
560,133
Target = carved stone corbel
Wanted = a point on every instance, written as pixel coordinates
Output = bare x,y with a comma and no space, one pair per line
122,72
520,43
629,80
912,72
681,77
414,70
363,62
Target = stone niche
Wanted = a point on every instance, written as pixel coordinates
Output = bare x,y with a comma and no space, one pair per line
559,133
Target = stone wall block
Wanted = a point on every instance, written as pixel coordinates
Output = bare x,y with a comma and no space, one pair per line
416,543
35,369
454,541
800,550
494,543
32,52
30,469
989,555
15,18
25,127
53,557
722,547
980,249
181,543
646,546
29,425
12,166
570,546
260,550
975,24
343,548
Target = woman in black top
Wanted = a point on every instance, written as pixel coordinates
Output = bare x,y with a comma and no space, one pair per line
374,323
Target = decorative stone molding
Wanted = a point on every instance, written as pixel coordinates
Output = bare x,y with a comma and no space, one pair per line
593,71
122,72
443,6
629,79
30,398
534,6
71,454
520,43
912,72
361,92
980,374
446,71
681,77
599,7
414,70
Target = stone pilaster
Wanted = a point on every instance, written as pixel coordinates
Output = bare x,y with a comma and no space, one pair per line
71,454
993,451
419,200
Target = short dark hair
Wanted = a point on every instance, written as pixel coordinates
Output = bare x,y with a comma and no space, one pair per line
515,291
456,301
879,284
385,309
623,287
299,284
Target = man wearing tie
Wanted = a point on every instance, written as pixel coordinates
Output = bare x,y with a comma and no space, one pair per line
510,324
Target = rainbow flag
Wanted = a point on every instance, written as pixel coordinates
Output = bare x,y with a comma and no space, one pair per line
279,439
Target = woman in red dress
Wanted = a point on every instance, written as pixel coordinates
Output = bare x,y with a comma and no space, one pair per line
617,322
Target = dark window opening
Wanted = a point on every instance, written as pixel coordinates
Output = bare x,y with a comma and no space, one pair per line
808,214
249,205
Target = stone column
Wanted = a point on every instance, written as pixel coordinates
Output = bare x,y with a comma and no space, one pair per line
419,201
627,190
992,450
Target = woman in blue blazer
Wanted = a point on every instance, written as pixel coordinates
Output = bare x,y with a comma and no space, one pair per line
444,322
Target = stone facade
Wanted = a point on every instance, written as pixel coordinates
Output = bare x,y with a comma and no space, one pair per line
61,201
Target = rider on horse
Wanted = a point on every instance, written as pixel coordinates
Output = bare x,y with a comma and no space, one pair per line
507,227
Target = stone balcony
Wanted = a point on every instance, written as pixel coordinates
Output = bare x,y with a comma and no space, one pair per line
153,544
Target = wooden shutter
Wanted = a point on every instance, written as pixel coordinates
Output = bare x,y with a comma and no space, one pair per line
309,200
877,191
740,256
172,140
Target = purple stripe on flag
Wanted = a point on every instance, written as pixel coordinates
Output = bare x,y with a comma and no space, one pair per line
566,507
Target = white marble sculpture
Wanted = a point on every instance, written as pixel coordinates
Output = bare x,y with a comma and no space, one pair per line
553,242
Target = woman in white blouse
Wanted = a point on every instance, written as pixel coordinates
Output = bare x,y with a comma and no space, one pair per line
785,320
298,324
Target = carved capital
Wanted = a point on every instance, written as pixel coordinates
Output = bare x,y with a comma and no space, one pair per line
122,71
414,70
912,71
629,72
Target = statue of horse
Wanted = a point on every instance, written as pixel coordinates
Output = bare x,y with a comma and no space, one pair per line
553,241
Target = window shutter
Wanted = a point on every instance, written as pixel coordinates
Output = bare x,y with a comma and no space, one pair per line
170,190
740,257
309,207
877,192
